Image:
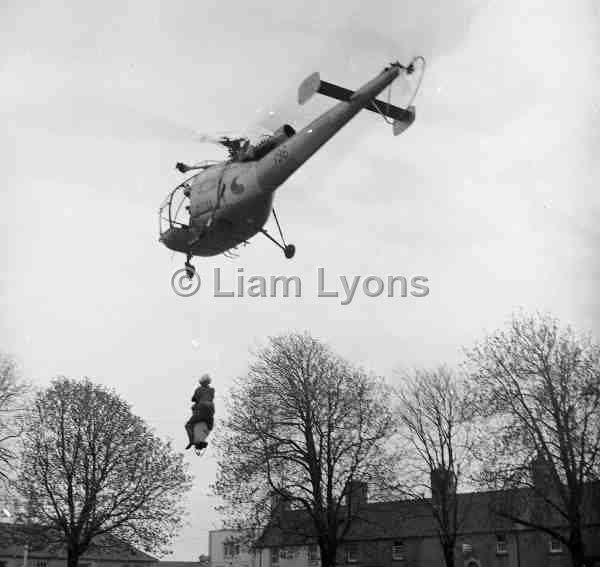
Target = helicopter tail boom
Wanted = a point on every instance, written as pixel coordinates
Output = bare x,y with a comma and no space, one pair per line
273,169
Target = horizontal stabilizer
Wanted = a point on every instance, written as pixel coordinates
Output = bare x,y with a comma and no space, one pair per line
309,87
379,106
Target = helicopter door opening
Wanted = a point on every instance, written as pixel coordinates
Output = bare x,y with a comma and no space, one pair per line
174,212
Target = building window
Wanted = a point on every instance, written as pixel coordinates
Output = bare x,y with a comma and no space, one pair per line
398,550
41,564
231,549
313,552
352,552
275,557
501,547
555,545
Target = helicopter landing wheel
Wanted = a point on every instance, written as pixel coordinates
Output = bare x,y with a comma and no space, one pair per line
289,251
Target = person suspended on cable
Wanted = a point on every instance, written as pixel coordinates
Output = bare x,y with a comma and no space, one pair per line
203,411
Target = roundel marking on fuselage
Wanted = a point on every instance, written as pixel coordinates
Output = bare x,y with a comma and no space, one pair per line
237,188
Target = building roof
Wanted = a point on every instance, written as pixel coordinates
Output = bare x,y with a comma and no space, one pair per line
378,520
41,545
403,519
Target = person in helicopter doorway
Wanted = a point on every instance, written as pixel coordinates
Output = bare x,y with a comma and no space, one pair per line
203,412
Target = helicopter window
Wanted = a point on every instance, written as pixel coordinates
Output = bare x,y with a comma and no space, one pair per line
174,212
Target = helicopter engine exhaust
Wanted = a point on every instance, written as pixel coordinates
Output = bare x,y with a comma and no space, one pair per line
283,133
276,139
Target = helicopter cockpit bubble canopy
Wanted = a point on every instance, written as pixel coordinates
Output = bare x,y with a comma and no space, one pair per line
173,212
177,208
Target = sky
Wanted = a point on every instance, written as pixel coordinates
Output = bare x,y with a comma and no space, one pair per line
491,194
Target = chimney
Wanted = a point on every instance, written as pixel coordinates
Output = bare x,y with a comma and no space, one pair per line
541,475
443,485
356,494
279,502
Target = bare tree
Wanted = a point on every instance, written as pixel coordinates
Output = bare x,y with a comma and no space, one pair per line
93,472
303,425
12,397
539,383
437,442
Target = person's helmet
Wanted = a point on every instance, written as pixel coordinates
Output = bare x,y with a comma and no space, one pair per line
205,379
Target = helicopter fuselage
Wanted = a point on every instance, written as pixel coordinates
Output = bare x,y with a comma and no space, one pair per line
230,202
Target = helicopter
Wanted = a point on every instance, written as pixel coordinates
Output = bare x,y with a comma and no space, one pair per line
228,202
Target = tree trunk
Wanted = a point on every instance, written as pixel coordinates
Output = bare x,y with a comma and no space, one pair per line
328,554
72,557
327,560
449,555
577,549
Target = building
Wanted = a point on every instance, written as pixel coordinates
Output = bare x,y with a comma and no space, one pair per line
226,548
19,549
404,534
